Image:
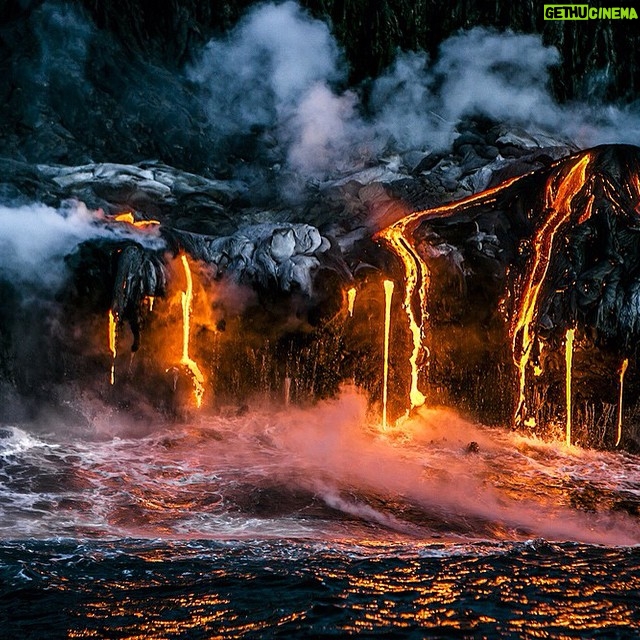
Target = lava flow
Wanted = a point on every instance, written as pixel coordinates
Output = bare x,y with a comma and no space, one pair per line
568,353
523,333
113,326
127,217
186,360
417,275
623,370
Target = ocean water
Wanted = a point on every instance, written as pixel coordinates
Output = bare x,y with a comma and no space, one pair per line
292,522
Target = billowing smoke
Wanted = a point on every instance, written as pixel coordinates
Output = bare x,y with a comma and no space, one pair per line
260,74
35,239
271,97
280,70
503,76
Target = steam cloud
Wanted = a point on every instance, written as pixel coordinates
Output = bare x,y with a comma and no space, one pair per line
281,69
34,240
278,81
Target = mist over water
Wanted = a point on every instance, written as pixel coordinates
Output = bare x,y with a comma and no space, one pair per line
325,472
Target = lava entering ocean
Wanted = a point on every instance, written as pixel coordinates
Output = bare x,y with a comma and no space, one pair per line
550,256
521,303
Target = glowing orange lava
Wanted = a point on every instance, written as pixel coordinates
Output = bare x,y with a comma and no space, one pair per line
417,275
127,217
623,370
187,300
351,299
558,206
113,327
568,354
388,294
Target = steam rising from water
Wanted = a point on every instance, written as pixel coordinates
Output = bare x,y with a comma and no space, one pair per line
322,472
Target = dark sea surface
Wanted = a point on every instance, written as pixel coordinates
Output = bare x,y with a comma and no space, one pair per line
205,589
311,523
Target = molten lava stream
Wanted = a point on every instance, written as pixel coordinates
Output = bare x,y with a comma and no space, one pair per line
127,217
568,353
113,328
416,272
623,370
417,275
522,330
186,360
388,294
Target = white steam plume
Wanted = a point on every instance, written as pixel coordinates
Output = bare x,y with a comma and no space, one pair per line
34,240
260,74
279,68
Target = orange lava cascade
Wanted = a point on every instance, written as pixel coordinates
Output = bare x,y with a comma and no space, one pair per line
388,294
397,236
568,354
351,300
623,370
127,217
416,276
559,210
113,328
187,300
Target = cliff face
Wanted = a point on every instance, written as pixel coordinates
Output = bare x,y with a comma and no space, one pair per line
146,133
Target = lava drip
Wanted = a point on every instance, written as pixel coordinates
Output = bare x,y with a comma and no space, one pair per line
388,294
623,370
186,360
568,354
351,300
113,329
